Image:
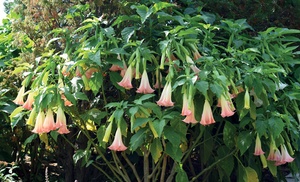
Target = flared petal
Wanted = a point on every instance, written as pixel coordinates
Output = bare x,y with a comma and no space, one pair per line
207,115
117,144
145,87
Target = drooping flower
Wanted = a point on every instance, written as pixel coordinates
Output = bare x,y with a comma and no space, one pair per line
272,156
61,122
89,72
277,158
49,123
115,67
166,96
285,155
28,103
227,109
191,117
192,66
66,101
30,120
38,127
145,87
258,150
196,55
19,99
185,106
118,144
126,81
247,100
207,116
107,132
158,83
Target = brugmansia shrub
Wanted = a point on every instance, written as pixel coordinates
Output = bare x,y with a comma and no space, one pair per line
169,91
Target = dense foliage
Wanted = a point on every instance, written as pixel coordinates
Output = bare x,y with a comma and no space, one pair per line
164,87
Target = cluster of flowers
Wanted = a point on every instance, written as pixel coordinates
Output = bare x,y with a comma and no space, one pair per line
279,157
43,123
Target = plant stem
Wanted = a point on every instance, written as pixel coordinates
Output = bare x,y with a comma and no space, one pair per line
163,171
146,164
132,167
170,178
212,165
121,169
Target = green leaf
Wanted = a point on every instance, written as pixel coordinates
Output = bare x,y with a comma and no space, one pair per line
244,141
30,139
137,139
229,133
78,155
160,5
217,89
123,18
96,82
115,78
261,126
174,152
208,17
172,136
127,33
143,11
156,149
202,86
276,126
95,57
142,98
181,175
272,167
140,121
100,134
159,126
54,135
80,96
226,164
250,175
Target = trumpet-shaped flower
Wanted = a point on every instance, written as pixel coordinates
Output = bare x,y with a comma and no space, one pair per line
191,117
207,116
247,100
285,155
227,109
28,103
196,55
49,123
166,96
38,127
145,87
258,150
117,144
61,122
126,81
19,99
185,106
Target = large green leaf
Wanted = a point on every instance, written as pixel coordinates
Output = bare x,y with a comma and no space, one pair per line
156,149
244,140
143,11
276,126
229,133
138,139
172,136
127,33
96,82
